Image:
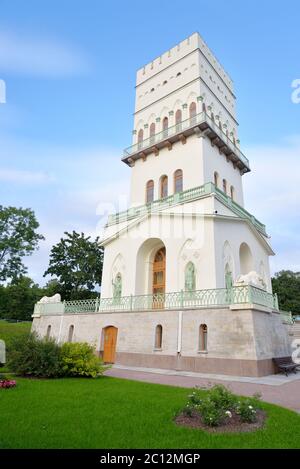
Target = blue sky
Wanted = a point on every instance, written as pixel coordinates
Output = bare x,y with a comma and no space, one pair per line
69,69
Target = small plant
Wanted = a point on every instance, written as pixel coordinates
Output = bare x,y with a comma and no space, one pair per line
247,409
79,359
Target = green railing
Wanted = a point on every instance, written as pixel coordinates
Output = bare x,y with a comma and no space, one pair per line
209,298
187,124
287,317
188,195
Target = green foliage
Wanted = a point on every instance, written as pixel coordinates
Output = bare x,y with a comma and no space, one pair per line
31,356
44,358
18,238
18,298
219,404
79,359
287,286
77,263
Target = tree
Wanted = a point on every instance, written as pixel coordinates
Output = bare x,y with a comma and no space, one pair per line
76,261
19,298
18,238
287,286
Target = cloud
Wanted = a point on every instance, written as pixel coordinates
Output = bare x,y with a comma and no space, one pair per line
272,193
39,56
24,177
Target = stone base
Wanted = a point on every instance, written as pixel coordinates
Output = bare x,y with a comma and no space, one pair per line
233,367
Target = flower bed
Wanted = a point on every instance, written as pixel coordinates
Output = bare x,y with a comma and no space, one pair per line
7,383
221,410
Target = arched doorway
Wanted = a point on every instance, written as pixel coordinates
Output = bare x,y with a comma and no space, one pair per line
159,271
110,341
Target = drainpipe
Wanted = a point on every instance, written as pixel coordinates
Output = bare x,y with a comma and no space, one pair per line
179,339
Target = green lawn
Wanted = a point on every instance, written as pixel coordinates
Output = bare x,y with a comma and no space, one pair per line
11,329
115,413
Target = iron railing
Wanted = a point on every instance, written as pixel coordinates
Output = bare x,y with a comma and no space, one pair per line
208,298
201,118
188,195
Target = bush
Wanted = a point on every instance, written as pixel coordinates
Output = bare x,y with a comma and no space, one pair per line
219,404
31,356
79,359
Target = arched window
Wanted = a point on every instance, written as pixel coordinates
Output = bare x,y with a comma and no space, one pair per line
158,336
165,125
117,287
203,338
140,138
246,259
178,119
216,179
225,186
190,277
232,192
152,133
178,181
193,112
178,74
164,186
150,191
71,333
48,333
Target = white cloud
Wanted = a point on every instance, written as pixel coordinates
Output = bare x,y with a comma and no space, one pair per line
24,177
39,56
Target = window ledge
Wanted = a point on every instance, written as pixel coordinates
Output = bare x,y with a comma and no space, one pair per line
203,352
157,350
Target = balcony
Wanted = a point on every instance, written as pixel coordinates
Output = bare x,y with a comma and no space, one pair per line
201,124
189,195
183,300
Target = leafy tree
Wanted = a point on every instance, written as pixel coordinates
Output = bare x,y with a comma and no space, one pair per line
19,298
18,238
287,286
76,261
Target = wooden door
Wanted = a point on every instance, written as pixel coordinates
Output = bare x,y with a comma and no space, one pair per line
159,278
110,342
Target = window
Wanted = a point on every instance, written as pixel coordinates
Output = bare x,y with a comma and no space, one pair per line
48,332
178,119
158,337
71,333
178,74
216,179
117,287
193,112
165,82
203,338
140,138
152,89
152,133
232,194
150,191
225,186
165,126
164,186
189,277
178,181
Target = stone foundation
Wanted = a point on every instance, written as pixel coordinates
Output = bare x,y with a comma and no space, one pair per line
240,342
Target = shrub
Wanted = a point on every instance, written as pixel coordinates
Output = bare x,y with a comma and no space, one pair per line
31,356
219,404
7,383
79,359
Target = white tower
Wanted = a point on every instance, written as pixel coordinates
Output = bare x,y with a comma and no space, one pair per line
186,282
186,183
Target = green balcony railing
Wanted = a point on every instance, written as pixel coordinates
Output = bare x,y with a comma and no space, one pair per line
188,195
177,129
209,298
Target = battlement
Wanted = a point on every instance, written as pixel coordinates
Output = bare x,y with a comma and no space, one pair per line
185,47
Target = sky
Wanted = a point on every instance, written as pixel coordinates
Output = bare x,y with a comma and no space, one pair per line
69,71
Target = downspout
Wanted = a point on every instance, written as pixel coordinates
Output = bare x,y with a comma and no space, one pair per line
179,339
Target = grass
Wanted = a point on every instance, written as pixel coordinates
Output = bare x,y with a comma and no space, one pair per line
118,413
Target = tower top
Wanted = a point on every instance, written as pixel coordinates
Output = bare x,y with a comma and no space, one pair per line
178,52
